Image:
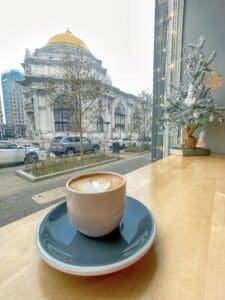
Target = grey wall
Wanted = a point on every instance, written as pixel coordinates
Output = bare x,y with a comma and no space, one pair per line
207,17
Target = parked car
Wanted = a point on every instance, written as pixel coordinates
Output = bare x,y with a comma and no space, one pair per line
144,141
70,144
12,153
123,142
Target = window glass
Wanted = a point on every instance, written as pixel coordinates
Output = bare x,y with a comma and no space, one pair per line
3,146
85,140
100,125
81,79
68,140
62,117
57,139
120,118
7,146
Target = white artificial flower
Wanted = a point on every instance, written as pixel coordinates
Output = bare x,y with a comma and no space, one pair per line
191,99
196,115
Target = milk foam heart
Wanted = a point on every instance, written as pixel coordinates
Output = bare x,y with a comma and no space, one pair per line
95,186
96,183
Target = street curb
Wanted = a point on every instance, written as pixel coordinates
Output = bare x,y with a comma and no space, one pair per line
33,178
137,153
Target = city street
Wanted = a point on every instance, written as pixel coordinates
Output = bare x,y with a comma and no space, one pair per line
16,193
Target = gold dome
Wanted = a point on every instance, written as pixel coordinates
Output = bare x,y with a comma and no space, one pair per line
68,38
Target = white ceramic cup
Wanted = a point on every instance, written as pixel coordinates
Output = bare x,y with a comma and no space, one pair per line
96,214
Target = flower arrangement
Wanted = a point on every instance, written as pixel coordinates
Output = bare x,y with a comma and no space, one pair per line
191,104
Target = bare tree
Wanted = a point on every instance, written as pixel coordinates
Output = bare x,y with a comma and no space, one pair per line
141,115
78,92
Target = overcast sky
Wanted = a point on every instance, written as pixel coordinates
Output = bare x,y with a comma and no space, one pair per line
119,32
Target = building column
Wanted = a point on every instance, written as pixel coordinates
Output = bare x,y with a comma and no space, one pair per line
30,123
46,117
36,115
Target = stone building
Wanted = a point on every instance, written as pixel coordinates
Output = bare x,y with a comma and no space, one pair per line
46,63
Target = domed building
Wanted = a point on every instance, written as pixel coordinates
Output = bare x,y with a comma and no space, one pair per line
48,63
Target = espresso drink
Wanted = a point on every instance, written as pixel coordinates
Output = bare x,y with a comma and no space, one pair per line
96,183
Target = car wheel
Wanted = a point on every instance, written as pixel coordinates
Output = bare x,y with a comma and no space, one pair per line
96,149
70,152
30,158
58,154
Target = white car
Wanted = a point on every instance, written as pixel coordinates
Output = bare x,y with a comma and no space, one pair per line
123,142
12,153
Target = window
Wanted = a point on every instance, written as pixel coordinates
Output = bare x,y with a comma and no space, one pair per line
100,125
120,118
68,140
61,79
99,103
3,146
85,140
57,139
62,119
71,139
7,146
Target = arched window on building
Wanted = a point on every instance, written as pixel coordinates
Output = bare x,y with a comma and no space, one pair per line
100,125
62,118
120,118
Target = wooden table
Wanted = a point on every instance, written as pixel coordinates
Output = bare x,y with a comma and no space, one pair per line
187,260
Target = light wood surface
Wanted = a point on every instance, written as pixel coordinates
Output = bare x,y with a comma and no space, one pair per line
187,260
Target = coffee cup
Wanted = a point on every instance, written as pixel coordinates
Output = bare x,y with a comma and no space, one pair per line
96,202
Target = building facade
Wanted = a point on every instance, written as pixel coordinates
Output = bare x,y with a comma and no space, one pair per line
13,102
1,121
52,63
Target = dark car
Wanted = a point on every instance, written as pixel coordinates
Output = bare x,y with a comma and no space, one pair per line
71,144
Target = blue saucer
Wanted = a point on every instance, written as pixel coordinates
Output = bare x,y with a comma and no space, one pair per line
63,247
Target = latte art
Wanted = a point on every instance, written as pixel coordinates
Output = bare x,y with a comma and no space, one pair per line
96,183
94,186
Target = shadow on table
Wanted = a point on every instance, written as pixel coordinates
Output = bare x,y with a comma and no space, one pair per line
128,283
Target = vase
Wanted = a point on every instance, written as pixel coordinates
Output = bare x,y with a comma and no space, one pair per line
201,140
190,141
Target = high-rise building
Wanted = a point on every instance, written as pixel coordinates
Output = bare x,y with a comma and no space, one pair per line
1,121
13,102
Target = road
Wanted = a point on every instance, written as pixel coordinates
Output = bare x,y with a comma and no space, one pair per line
16,193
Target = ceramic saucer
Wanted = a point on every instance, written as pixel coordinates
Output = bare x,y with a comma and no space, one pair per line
63,247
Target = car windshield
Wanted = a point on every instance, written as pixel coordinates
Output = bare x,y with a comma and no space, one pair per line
57,139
